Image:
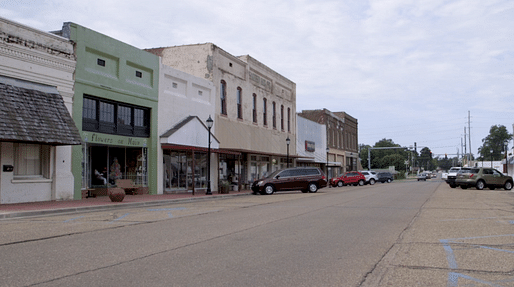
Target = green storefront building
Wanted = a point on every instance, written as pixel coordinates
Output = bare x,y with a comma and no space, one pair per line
115,109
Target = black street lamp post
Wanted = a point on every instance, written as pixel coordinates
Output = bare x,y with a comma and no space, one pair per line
209,126
288,141
328,149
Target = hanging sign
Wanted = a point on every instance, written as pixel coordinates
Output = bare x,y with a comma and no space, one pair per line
310,146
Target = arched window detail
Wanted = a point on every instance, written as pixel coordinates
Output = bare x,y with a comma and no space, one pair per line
289,120
239,103
274,115
223,97
265,111
282,117
254,109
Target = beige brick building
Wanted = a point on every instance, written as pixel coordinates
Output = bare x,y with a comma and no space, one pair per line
255,108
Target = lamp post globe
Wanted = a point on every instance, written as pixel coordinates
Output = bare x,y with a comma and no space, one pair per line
209,126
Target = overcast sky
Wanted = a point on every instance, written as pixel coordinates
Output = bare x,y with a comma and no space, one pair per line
408,70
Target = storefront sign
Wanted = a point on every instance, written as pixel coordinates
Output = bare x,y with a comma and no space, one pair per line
310,146
97,138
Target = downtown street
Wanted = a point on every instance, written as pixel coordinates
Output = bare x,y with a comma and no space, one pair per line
405,233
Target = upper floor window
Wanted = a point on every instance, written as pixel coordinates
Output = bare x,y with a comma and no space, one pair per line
110,117
264,112
239,103
282,117
289,119
254,110
274,114
223,97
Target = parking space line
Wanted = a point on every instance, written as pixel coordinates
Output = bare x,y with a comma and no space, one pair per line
453,277
119,218
73,219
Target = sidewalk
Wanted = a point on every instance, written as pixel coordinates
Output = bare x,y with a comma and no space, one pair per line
103,203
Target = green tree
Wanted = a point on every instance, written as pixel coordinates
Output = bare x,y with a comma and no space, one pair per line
363,155
425,159
444,163
383,158
495,143
397,160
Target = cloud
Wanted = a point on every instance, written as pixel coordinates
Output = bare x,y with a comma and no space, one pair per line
407,70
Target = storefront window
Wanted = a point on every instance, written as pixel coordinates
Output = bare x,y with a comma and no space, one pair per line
178,167
105,165
200,170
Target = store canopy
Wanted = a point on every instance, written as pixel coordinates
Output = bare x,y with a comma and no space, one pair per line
36,113
190,131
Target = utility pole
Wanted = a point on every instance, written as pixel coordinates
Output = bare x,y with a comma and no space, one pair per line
469,134
463,145
465,149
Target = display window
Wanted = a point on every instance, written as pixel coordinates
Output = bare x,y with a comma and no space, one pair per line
179,167
103,165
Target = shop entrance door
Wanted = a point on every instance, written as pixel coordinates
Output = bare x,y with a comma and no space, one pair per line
177,171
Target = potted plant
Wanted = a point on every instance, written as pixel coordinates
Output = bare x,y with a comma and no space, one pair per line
224,186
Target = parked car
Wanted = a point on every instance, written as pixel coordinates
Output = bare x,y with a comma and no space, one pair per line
451,176
306,179
371,176
422,176
483,177
349,177
385,177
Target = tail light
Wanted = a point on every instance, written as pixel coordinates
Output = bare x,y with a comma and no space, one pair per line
471,175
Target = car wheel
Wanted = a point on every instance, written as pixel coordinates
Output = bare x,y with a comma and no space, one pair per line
452,185
388,180
372,181
313,187
508,185
361,182
480,184
340,184
268,189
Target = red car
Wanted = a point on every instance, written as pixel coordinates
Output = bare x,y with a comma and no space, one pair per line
349,177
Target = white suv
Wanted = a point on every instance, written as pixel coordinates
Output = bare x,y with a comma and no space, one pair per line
371,176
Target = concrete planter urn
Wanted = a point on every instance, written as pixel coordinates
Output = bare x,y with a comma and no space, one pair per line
116,194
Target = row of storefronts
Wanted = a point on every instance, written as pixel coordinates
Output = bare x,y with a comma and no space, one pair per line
142,115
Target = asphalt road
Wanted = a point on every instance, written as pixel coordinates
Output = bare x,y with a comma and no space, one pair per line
381,235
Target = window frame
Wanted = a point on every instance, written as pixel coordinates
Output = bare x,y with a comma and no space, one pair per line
265,111
254,108
104,118
41,166
223,97
282,117
289,120
239,97
274,115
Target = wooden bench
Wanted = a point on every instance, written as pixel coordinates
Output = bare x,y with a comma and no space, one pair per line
127,185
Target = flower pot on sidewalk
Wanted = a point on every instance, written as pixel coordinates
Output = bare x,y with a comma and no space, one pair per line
116,194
